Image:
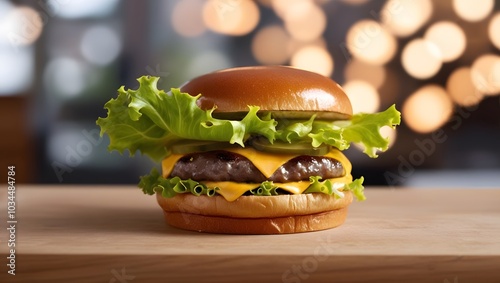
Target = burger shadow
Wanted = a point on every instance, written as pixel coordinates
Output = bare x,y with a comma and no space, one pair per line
114,220
133,221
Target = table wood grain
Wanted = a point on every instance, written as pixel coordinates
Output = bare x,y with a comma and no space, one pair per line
117,234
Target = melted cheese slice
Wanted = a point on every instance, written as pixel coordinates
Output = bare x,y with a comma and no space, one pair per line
267,163
167,165
232,190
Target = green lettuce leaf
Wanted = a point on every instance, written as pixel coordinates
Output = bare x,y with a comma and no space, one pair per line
169,187
148,120
326,187
154,182
266,188
290,130
356,187
363,128
337,189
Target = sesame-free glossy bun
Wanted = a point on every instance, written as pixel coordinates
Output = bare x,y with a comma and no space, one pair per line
286,92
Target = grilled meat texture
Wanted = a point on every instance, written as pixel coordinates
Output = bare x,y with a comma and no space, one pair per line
220,165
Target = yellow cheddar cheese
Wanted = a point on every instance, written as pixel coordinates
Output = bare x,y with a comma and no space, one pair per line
233,190
267,163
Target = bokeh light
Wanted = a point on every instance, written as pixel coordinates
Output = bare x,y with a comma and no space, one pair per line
494,30
485,74
5,8
16,69
304,21
21,26
314,59
449,39
473,11
427,109
461,89
65,76
192,10
405,17
81,9
359,70
421,59
293,45
236,17
363,96
280,7
100,45
370,42
268,44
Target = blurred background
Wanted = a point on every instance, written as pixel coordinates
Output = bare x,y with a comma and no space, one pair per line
438,61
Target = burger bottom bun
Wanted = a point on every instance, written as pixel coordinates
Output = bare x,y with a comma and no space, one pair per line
256,214
277,225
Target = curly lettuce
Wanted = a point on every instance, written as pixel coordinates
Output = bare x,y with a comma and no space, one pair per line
362,128
149,120
170,187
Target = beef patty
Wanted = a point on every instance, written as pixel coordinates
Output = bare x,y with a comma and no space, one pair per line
220,165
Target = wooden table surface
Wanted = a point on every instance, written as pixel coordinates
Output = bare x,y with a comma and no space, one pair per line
117,234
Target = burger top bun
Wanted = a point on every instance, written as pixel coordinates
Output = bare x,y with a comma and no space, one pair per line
286,92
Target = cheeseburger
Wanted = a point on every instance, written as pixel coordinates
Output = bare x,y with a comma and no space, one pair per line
252,150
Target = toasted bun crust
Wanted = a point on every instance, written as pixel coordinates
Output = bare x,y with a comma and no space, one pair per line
286,92
277,225
256,214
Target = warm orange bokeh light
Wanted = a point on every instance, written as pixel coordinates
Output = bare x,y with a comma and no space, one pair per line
449,39
192,10
421,59
294,45
494,30
314,59
485,73
231,17
427,109
268,45
280,7
370,42
473,10
304,21
358,70
21,26
405,17
363,96
461,89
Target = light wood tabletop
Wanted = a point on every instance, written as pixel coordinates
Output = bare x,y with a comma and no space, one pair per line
117,234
